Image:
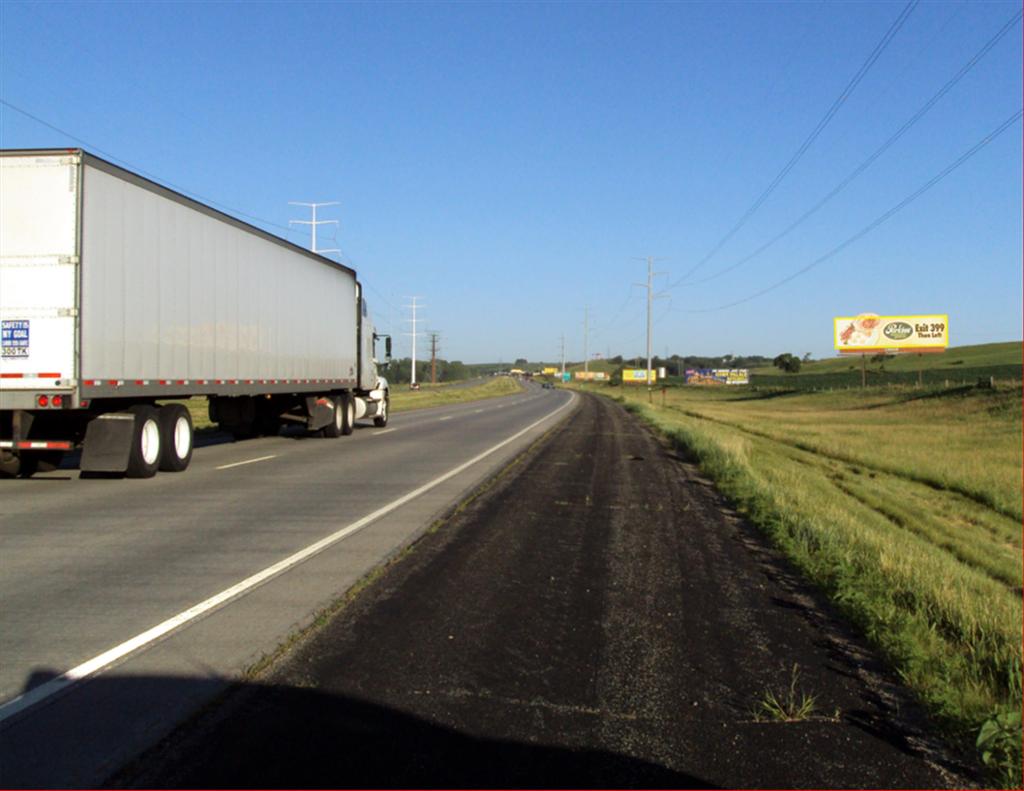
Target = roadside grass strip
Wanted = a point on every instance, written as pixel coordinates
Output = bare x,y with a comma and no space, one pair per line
905,511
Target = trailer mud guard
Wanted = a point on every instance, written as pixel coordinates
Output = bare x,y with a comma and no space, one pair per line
108,442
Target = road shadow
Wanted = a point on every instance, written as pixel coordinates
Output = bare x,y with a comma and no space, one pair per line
274,736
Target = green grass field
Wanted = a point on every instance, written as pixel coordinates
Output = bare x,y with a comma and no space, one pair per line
904,505
402,399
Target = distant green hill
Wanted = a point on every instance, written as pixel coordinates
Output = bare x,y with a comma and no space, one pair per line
978,356
959,365
595,365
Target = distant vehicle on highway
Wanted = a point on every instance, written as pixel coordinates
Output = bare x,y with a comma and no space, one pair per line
548,386
117,293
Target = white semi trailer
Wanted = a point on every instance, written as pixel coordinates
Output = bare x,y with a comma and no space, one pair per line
118,294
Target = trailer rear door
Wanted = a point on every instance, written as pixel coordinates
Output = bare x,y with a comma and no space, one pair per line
38,272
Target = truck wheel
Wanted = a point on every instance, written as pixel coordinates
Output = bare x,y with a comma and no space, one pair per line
382,419
348,406
176,437
144,457
10,465
337,425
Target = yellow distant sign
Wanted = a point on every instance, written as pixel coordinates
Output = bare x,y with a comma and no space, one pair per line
637,376
869,332
550,371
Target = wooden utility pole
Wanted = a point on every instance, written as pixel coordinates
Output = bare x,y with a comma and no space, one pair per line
433,357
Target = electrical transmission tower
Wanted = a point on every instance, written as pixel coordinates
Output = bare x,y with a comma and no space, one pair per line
586,338
414,306
314,222
651,296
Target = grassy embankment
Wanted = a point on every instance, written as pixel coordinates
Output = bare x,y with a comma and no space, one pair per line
905,507
402,399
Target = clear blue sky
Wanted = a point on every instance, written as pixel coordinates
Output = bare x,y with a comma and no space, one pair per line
508,162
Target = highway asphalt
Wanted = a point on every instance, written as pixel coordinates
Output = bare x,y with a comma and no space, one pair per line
88,566
597,618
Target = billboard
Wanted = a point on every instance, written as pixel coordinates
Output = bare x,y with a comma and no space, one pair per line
590,376
549,371
637,376
717,376
869,332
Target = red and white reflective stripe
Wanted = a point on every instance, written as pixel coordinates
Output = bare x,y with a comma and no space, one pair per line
26,445
186,382
31,376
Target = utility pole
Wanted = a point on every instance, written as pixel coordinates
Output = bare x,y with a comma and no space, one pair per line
434,335
586,338
650,299
563,355
314,222
414,334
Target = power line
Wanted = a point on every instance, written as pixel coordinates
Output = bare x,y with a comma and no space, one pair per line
140,171
878,221
183,190
825,120
876,154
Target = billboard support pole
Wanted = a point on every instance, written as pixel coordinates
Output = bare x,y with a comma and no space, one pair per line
863,370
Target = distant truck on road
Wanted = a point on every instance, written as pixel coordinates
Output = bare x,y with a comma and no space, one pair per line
117,294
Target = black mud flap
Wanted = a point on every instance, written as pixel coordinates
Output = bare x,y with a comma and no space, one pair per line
108,442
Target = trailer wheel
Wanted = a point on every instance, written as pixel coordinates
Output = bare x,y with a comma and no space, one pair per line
144,457
176,437
385,407
348,406
337,425
10,465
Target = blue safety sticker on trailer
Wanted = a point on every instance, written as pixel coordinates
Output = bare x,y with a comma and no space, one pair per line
14,334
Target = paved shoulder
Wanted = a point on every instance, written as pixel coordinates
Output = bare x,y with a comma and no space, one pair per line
595,618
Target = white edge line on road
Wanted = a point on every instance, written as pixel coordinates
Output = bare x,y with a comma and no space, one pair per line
384,431
446,417
107,658
248,461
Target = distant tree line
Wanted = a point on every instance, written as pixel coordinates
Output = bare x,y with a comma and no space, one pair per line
676,365
400,371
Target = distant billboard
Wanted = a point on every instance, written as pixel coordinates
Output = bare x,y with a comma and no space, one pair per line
549,371
637,376
590,376
717,376
869,332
